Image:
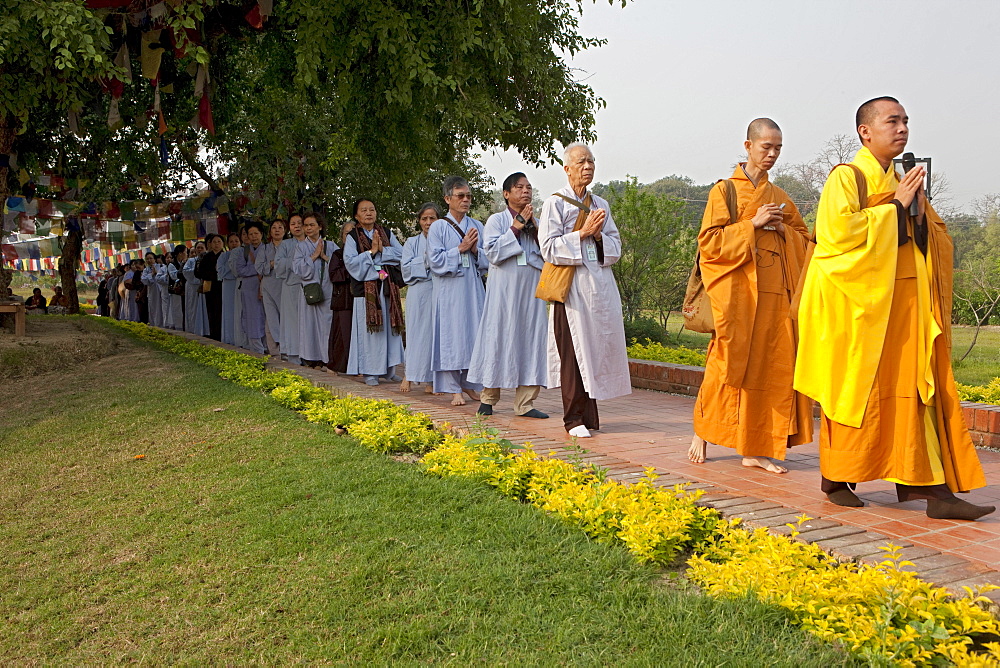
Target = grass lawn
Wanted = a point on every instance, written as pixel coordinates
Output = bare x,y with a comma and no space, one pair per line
980,367
247,535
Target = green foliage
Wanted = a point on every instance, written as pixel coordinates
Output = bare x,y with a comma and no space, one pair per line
657,249
51,53
657,352
645,329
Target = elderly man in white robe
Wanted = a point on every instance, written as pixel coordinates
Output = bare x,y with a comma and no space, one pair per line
587,355
457,263
510,351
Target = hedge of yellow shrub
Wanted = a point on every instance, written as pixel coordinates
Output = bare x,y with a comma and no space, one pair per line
657,352
882,613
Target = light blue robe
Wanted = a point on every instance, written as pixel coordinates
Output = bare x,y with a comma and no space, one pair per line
270,287
253,307
291,291
459,295
152,295
372,353
314,319
239,336
419,305
162,282
229,281
130,307
194,302
511,349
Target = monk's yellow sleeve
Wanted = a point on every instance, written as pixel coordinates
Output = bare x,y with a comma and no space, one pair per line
846,296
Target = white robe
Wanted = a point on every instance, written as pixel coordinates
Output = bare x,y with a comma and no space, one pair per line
372,353
459,294
315,320
419,304
511,346
270,289
593,306
194,302
291,291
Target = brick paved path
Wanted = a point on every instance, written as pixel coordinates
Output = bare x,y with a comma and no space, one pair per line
654,429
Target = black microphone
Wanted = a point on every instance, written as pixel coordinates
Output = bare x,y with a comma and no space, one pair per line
909,162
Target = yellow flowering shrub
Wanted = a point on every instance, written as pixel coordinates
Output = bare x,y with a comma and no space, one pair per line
657,352
982,394
881,613
653,523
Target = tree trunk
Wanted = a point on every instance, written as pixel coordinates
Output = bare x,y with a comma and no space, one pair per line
7,136
68,263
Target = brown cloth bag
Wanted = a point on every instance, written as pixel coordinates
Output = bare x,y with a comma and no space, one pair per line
697,309
553,284
793,306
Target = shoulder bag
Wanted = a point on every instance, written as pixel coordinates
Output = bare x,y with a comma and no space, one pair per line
314,291
556,279
697,309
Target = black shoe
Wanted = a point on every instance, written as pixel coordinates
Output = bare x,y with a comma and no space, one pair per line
485,409
845,497
956,509
534,413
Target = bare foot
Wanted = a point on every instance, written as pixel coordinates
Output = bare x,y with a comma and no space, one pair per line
404,386
457,399
472,395
696,453
329,370
428,389
764,463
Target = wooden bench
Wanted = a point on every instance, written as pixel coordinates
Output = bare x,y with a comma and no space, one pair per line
18,310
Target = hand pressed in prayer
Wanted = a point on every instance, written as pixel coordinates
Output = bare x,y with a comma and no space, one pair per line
527,213
594,224
470,240
376,243
768,214
911,185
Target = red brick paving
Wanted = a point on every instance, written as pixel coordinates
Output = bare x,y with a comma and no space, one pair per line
653,429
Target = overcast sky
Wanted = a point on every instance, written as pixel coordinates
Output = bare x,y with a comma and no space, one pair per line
683,79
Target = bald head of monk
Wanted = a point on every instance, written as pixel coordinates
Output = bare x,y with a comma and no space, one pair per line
883,127
763,146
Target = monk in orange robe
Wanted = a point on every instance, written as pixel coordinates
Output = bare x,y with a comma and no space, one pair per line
875,331
750,263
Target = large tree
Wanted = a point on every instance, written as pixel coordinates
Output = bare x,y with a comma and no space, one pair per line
312,105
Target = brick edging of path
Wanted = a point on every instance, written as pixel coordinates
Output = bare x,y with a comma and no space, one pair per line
983,420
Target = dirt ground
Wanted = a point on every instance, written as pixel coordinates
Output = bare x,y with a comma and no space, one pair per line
55,342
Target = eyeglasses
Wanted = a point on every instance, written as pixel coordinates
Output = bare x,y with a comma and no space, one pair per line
462,195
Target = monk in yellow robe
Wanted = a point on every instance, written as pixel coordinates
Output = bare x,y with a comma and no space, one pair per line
875,332
750,264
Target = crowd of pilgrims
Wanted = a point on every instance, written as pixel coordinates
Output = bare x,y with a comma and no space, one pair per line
250,290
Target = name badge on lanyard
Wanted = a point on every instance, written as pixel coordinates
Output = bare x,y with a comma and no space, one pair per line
465,260
522,259
591,251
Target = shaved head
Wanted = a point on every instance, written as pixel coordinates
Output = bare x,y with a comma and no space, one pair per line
866,112
758,126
